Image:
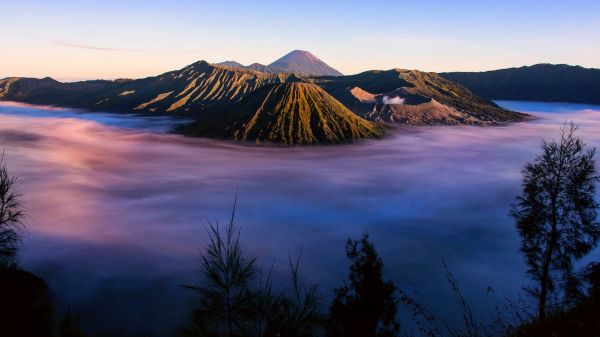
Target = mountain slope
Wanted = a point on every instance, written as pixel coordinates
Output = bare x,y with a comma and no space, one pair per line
190,90
413,97
290,113
540,82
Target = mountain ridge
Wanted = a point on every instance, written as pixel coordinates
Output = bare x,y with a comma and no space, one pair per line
539,82
189,90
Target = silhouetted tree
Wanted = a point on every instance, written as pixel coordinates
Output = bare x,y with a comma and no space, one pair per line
224,295
294,312
366,305
556,213
580,319
585,284
11,216
299,307
233,301
592,276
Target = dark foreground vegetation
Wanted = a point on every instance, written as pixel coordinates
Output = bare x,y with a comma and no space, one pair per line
555,215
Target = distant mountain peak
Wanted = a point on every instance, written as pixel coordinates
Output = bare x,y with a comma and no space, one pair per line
300,53
304,62
297,61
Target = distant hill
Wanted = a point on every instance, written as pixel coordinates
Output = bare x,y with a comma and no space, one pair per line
261,67
297,62
290,113
540,82
230,64
283,107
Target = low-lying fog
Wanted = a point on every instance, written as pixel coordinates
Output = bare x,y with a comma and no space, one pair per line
117,215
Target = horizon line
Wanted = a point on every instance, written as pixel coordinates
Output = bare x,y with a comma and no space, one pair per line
73,79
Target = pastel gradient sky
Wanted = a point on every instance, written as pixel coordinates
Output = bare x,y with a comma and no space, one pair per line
136,38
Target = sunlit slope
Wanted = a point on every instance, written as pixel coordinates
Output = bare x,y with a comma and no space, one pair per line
290,113
189,90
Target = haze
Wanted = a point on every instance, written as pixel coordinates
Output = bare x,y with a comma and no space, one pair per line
71,40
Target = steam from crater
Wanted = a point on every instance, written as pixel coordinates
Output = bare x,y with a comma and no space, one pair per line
393,100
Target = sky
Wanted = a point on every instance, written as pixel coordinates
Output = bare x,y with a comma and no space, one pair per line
72,40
